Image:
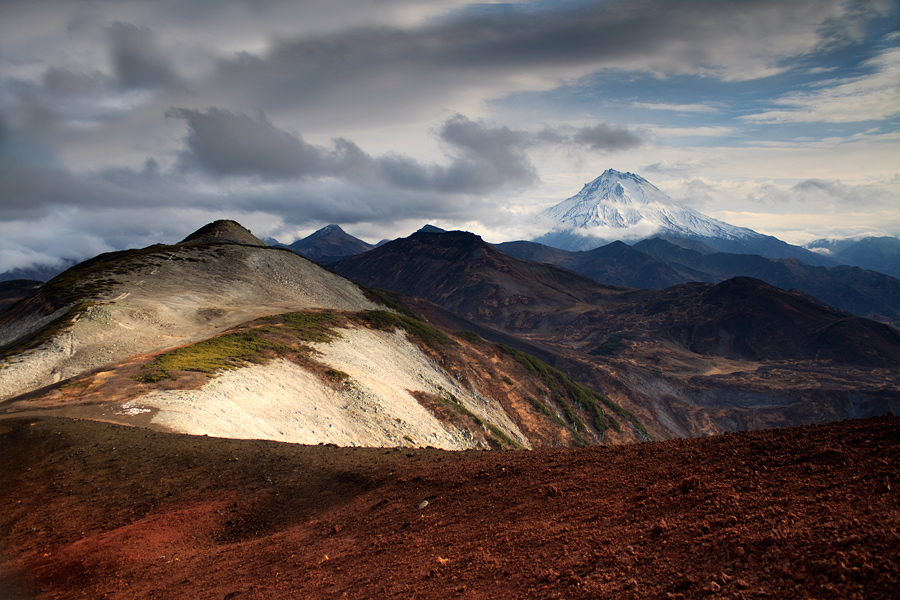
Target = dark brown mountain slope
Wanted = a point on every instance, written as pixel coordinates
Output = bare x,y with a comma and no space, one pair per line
100,511
462,273
223,232
743,318
689,360
658,263
16,290
329,245
862,292
740,318
615,264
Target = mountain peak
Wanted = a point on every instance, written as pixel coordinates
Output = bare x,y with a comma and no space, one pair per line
223,232
330,242
619,205
327,231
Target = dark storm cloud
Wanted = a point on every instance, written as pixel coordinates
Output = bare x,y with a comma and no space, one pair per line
482,157
224,143
605,137
32,191
734,39
138,60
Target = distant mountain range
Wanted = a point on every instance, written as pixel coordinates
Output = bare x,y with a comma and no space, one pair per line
620,206
880,254
663,261
462,273
658,263
37,272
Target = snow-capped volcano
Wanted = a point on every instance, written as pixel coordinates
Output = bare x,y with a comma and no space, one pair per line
625,205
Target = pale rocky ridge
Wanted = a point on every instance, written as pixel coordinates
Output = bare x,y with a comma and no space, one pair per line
281,401
177,295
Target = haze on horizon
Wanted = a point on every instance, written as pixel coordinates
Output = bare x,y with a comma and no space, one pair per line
128,123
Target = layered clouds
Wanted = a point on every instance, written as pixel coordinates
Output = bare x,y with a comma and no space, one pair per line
128,122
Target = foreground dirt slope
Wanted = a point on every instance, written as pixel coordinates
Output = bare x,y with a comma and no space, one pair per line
104,511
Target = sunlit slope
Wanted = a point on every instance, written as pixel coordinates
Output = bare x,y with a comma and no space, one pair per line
123,304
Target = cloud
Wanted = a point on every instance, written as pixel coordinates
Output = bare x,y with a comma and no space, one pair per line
137,59
871,97
680,168
226,143
682,132
835,192
606,137
683,108
465,57
69,98
483,157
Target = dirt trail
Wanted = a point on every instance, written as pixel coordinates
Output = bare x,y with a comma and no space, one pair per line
102,511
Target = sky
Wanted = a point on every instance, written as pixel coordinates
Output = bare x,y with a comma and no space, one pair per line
125,123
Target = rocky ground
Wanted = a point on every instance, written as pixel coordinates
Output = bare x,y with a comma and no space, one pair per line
104,511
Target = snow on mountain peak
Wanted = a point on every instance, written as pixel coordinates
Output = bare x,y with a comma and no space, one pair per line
623,205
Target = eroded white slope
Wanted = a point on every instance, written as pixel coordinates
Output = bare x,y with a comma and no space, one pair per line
193,294
281,401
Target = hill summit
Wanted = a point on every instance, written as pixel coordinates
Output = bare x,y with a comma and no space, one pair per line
223,232
329,244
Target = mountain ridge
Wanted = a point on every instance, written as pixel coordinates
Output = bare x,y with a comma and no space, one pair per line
659,262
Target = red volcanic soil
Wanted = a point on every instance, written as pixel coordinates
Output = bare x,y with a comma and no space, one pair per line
92,510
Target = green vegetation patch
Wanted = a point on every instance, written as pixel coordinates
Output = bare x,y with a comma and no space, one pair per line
469,336
311,326
546,410
565,391
455,403
273,336
227,351
337,375
387,320
389,299
611,346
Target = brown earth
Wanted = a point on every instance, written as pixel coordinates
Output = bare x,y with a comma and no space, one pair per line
103,511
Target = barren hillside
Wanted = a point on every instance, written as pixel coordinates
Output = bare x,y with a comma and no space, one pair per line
136,302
